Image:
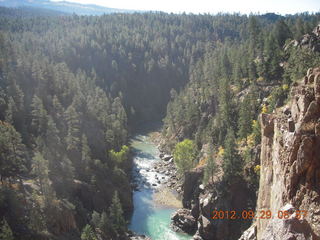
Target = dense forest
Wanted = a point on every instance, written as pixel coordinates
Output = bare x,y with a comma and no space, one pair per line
74,88
229,87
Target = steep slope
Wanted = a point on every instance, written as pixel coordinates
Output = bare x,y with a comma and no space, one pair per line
290,160
290,164
220,113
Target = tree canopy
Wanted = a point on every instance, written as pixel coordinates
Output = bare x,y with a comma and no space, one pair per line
185,155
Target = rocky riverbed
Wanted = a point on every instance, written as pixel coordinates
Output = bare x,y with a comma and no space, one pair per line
158,175
156,192
168,168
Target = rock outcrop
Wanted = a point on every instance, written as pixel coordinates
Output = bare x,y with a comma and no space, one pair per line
290,165
310,41
199,203
191,185
134,236
183,221
250,233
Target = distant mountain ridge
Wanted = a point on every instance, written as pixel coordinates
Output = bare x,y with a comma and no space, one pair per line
64,6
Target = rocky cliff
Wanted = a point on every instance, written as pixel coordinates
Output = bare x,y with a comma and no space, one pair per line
290,166
310,41
289,178
200,201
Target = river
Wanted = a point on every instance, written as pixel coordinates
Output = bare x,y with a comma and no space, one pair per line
149,218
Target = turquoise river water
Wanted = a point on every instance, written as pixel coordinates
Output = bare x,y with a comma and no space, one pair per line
150,219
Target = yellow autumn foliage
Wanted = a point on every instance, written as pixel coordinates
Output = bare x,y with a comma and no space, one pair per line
285,87
257,169
220,151
202,162
264,109
250,140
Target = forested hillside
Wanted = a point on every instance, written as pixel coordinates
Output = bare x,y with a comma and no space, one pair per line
73,88
236,80
65,7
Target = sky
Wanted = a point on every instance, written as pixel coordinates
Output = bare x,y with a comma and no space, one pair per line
211,6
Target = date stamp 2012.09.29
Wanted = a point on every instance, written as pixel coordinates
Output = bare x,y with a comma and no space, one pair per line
260,214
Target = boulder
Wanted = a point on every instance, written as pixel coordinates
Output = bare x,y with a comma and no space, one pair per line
134,236
286,110
311,78
167,157
183,221
197,236
250,233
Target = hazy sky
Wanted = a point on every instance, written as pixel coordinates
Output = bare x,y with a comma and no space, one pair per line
212,6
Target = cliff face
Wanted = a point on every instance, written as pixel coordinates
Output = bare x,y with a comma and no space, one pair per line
289,176
290,164
200,201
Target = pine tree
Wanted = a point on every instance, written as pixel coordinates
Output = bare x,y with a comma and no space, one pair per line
37,217
281,32
272,52
232,163
226,116
39,116
245,118
73,123
51,136
12,152
10,112
118,223
58,117
254,31
104,223
211,168
85,157
88,233
40,167
95,219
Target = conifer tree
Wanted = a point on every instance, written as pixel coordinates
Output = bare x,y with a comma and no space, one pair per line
10,112
211,168
73,123
12,152
85,157
245,120
232,163
95,219
58,111
88,233
118,223
40,168
39,116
